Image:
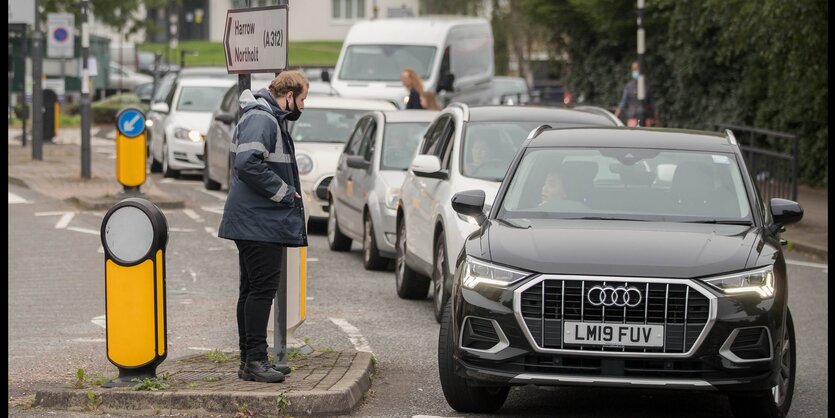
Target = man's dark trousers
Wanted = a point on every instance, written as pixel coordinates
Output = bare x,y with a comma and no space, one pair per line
260,264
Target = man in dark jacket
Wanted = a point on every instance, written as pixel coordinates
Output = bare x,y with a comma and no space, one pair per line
264,211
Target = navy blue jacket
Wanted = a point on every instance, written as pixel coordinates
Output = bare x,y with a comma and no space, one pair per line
261,205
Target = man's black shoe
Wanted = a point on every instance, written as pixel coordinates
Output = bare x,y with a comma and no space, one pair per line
261,371
285,370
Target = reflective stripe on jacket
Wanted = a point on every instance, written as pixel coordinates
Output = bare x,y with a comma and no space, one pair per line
261,205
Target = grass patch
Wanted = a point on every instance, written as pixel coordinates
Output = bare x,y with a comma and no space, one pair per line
300,53
218,356
152,384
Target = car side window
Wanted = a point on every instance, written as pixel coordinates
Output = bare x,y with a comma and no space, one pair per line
445,144
434,135
367,146
230,102
353,145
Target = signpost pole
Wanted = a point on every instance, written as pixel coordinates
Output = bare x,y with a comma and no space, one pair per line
85,92
37,87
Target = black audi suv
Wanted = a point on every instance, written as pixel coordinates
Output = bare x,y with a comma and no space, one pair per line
626,258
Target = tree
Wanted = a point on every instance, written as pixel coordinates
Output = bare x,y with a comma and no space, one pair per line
119,15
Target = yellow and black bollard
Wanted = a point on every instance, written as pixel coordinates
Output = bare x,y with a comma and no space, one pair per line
134,234
131,149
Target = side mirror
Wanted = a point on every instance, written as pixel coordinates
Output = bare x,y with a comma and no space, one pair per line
785,212
355,161
445,82
224,117
428,166
470,203
326,77
160,107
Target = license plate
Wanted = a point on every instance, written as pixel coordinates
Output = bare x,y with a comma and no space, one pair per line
626,335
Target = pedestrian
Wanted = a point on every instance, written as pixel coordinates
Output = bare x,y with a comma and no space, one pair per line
412,83
630,105
264,211
429,101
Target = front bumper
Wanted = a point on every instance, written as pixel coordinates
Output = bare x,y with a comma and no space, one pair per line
705,363
186,155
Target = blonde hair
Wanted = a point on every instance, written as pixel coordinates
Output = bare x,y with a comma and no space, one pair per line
417,84
286,81
431,101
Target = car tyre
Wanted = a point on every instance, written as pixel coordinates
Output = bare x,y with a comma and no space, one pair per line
409,284
772,403
167,171
337,241
440,266
371,258
207,179
459,394
156,167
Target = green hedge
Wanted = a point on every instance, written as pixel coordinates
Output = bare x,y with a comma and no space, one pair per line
104,111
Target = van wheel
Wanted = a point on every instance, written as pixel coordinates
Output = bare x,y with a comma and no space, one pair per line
409,284
772,403
207,179
337,241
458,393
371,258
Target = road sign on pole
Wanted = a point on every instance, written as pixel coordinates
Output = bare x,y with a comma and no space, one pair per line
255,40
60,35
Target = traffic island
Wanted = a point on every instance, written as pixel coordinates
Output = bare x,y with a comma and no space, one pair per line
323,383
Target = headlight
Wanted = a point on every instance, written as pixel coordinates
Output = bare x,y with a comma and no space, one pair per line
477,271
760,281
192,135
391,197
305,163
149,123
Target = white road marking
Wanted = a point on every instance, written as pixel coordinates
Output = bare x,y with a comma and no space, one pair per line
359,342
211,231
213,209
15,199
89,340
312,259
49,213
65,220
172,229
100,321
193,215
166,181
193,275
186,302
807,264
217,195
84,230
100,250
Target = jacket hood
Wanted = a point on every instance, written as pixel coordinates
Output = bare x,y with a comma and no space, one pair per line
262,99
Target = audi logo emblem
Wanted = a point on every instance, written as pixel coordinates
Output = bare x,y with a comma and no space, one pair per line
614,296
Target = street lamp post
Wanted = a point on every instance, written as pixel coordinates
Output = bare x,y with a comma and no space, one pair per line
85,91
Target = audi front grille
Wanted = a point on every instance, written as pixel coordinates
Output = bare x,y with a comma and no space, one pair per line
543,305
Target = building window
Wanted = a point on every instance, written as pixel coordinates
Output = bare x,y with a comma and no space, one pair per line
348,9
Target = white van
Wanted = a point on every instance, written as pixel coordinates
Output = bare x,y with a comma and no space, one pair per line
453,55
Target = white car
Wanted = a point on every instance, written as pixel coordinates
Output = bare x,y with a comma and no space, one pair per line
179,123
363,194
465,148
319,135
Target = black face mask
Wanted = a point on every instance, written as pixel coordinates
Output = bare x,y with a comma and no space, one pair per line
295,114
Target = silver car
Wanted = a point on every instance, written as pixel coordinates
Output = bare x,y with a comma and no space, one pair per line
363,193
465,148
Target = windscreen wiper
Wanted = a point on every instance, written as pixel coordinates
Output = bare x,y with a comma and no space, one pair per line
607,218
720,222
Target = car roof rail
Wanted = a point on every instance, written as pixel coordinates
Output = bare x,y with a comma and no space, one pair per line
731,137
464,108
538,130
600,111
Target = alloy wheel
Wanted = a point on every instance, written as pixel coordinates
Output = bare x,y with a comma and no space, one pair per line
366,240
780,390
438,277
400,261
331,223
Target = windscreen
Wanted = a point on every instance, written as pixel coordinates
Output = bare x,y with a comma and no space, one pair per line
629,184
200,99
386,62
325,125
399,143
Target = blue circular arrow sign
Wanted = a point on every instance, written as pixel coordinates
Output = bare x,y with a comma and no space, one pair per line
130,122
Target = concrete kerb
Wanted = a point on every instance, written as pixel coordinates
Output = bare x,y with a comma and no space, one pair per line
809,249
340,399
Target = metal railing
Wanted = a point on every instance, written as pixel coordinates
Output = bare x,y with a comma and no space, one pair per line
771,158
